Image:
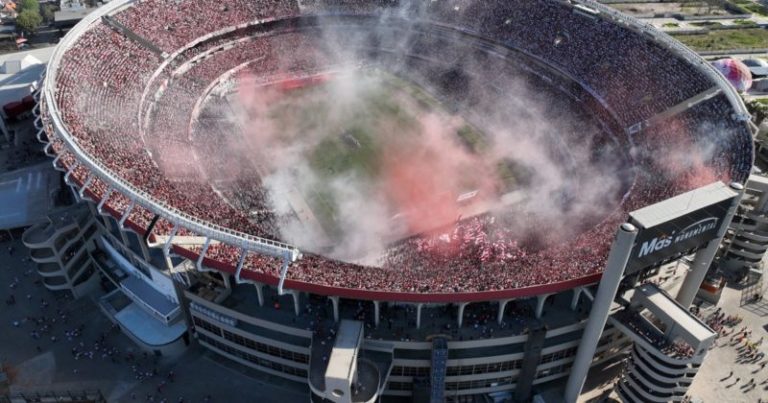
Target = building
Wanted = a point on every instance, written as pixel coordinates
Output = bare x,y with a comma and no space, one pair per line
181,267
664,362
19,75
70,13
749,231
62,249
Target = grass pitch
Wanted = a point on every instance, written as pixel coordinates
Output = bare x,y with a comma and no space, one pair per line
344,128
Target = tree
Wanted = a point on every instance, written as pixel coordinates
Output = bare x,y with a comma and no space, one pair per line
24,5
28,20
758,110
48,12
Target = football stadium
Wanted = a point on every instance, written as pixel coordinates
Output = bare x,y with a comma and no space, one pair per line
389,200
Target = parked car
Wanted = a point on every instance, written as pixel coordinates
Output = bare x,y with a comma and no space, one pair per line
758,67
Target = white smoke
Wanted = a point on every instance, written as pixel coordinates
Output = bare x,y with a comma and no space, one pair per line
424,169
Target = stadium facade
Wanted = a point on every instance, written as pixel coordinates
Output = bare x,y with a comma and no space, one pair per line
175,273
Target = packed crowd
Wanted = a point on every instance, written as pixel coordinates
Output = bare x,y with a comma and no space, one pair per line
104,72
172,27
720,322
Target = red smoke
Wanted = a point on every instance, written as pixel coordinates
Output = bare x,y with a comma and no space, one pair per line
423,177
419,184
685,161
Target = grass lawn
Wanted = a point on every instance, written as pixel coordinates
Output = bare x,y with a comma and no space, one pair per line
755,8
744,22
747,38
671,25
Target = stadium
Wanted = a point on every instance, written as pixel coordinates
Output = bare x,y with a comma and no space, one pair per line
414,163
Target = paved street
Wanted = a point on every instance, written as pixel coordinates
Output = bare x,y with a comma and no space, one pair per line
726,373
52,342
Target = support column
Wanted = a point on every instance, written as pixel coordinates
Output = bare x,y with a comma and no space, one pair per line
259,290
335,303
418,316
606,292
762,201
540,300
704,256
376,314
144,250
296,299
227,281
460,318
502,306
697,272
576,295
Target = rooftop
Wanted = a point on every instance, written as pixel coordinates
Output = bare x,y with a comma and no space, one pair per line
680,321
343,355
70,15
19,70
147,328
680,205
153,298
26,194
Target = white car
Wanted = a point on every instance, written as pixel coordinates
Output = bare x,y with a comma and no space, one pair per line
758,67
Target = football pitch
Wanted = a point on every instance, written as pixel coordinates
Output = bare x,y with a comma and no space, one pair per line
348,124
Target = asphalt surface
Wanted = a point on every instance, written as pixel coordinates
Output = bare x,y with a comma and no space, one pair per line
51,342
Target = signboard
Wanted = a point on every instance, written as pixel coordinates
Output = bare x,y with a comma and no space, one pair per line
676,237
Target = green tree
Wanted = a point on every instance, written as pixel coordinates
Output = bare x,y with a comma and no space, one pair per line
31,5
28,20
48,12
758,110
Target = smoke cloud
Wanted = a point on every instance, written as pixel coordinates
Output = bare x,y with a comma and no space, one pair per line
422,175
351,154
